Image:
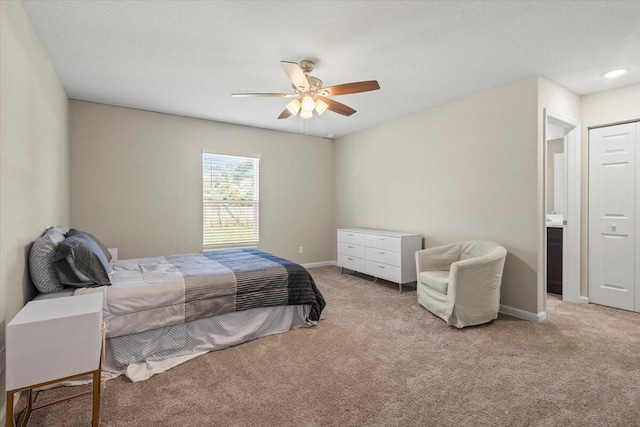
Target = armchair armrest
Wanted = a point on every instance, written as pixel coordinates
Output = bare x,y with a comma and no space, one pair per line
480,272
439,258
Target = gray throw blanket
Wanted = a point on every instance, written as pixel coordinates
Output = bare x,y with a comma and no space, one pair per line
241,279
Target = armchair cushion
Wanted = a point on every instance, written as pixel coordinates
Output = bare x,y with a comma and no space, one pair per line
435,280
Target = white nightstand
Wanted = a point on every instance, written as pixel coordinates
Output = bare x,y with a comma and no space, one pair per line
51,341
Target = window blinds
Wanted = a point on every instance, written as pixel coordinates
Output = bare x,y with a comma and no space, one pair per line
230,201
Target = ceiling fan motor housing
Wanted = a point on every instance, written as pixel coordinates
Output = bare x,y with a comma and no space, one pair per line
307,65
315,84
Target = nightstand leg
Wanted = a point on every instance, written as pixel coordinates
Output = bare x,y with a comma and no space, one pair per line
29,400
96,399
9,422
9,409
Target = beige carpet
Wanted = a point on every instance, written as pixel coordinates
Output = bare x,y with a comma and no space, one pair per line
381,359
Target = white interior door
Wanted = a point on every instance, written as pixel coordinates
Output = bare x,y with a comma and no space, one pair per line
612,210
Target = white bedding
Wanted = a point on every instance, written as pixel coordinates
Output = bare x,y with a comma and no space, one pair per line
146,293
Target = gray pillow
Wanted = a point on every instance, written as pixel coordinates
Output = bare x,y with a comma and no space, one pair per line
41,256
80,253
103,248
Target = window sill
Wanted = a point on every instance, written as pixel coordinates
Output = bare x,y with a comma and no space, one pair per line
221,248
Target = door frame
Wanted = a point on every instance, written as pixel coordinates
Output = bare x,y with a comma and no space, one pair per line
571,231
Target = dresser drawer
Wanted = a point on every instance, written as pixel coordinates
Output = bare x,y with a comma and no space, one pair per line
384,256
351,237
384,271
383,242
350,249
352,263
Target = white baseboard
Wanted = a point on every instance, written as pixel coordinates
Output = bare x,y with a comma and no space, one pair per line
583,300
319,264
521,314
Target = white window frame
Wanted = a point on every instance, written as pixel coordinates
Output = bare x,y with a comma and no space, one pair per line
256,232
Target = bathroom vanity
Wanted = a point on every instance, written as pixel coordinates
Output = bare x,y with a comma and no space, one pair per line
554,259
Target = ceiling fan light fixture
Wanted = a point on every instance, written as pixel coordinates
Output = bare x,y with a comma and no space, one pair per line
306,114
615,73
308,104
321,106
294,106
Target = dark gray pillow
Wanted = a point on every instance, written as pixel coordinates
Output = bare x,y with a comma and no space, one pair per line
104,249
81,253
41,256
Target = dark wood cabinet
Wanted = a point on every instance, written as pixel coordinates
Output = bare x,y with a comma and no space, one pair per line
554,260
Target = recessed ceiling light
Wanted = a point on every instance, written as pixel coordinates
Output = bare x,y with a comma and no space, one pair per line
615,73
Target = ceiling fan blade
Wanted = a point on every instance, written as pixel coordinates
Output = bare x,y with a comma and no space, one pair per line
285,114
281,95
347,88
337,107
296,75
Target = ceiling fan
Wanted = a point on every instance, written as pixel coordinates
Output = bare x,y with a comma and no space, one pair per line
310,95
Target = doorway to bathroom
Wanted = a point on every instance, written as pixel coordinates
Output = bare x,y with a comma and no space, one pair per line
561,208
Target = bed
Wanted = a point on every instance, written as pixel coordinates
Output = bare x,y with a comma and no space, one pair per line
161,312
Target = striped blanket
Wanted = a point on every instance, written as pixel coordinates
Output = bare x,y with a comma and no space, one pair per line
150,293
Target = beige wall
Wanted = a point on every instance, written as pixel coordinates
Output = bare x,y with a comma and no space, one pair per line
462,171
34,151
603,108
136,182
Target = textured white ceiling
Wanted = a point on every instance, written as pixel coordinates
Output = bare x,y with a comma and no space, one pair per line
186,58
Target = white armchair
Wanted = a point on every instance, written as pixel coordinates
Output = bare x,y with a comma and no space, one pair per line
460,283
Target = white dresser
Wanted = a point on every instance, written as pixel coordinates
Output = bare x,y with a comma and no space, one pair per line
385,254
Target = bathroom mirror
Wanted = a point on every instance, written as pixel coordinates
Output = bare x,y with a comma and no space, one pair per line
555,182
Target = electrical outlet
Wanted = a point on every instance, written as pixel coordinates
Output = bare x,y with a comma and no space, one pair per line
2,360
300,250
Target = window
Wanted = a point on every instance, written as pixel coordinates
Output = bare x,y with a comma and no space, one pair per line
230,203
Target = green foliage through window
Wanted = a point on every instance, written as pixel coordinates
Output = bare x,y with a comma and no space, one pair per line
230,200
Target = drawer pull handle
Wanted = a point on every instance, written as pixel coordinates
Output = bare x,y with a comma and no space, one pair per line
381,238
381,253
350,234
350,259
613,227
381,266
350,247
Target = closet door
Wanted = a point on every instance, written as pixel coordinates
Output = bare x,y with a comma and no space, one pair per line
612,215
